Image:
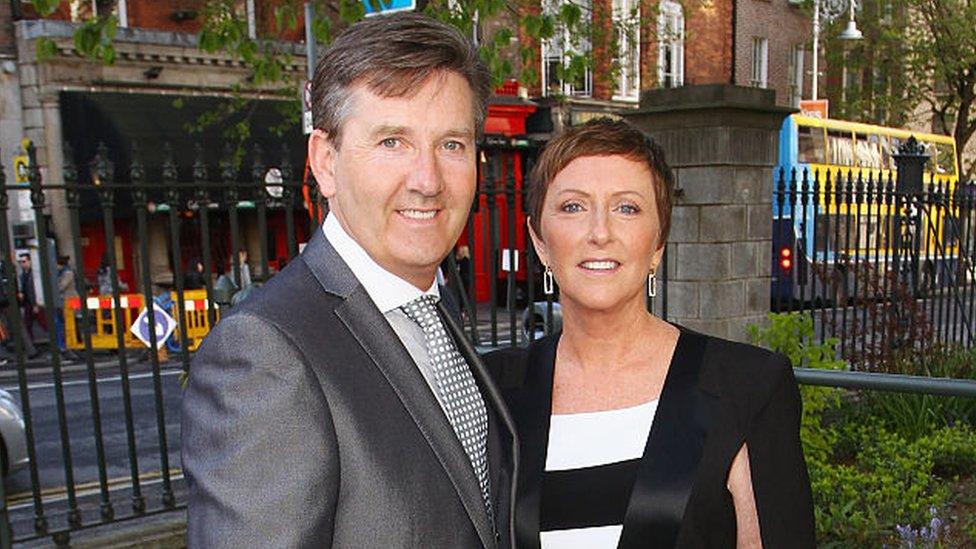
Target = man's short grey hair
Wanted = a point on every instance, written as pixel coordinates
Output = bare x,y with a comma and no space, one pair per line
393,56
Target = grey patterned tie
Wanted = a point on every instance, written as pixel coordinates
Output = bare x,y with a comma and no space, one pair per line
457,389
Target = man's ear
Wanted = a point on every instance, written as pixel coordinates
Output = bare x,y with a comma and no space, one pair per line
321,159
540,247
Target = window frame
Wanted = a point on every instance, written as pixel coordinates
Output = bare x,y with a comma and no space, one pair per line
670,11
626,14
760,62
553,54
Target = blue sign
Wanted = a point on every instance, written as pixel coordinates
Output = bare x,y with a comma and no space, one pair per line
164,327
389,6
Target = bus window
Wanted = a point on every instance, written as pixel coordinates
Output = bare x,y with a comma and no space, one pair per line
867,151
810,149
884,143
946,158
895,145
840,148
929,149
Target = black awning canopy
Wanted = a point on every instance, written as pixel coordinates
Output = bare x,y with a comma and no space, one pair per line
150,121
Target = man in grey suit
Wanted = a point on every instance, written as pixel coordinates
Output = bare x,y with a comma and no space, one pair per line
339,404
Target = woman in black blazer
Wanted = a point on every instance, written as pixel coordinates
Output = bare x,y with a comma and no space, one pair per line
635,432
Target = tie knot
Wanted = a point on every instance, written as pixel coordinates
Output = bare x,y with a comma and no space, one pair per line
422,310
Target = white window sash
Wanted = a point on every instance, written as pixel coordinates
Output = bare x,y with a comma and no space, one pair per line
553,50
252,23
123,13
628,50
671,44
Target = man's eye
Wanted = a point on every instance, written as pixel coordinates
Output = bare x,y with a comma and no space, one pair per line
390,142
572,207
454,145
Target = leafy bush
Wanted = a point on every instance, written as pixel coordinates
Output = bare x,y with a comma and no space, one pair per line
953,451
913,416
872,478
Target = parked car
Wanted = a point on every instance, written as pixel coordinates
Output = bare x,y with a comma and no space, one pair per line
13,441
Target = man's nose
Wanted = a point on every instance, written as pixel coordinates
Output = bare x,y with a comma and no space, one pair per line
425,176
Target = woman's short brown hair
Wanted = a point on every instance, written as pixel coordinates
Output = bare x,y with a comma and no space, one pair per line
601,137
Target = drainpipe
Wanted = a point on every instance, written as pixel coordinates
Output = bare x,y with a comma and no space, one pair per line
735,58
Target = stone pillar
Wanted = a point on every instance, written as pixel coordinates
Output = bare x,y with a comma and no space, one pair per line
722,142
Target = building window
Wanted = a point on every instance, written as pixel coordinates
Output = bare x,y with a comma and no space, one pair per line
626,27
252,21
564,49
797,53
760,62
83,9
670,44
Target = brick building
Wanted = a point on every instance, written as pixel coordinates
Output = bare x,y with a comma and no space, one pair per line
160,83
139,107
637,45
666,43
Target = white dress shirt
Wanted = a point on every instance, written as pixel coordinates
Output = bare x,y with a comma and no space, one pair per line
389,292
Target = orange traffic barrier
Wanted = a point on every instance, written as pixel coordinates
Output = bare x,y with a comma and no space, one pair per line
101,317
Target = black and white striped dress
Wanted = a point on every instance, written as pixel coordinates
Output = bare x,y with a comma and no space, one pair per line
591,464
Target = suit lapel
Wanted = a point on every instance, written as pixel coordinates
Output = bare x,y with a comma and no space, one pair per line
373,333
532,408
673,452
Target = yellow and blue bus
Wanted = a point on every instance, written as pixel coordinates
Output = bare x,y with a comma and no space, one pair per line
833,205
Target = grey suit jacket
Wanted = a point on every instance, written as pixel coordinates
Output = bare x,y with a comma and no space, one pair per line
306,424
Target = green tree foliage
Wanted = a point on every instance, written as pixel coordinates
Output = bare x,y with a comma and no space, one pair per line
915,53
224,30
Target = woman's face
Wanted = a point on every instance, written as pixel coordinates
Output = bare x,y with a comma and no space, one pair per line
599,231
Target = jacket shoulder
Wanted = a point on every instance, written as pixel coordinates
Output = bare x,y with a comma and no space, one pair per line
742,372
290,294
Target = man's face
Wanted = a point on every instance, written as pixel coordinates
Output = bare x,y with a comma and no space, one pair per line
402,181
25,263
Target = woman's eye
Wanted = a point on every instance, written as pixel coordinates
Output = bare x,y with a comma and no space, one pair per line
628,209
571,207
390,142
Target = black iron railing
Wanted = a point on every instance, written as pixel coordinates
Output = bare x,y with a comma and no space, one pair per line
101,420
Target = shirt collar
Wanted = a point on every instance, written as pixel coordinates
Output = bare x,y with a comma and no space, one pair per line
387,290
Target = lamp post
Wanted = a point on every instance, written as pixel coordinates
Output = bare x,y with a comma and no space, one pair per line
850,33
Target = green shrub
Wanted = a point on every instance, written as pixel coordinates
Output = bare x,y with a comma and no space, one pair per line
913,416
953,451
883,481
869,470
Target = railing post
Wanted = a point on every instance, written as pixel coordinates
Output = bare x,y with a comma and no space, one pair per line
85,320
6,535
909,161
47,289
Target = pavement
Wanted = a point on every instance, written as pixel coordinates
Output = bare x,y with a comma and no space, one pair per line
165,530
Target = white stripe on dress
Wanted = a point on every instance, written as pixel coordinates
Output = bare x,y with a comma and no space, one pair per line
588,439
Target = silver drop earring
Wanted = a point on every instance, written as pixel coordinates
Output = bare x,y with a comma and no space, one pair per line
547,281
652,283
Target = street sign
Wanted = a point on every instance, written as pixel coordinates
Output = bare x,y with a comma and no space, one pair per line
272,183
164,326
815,109
21,173
22,164
390,6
